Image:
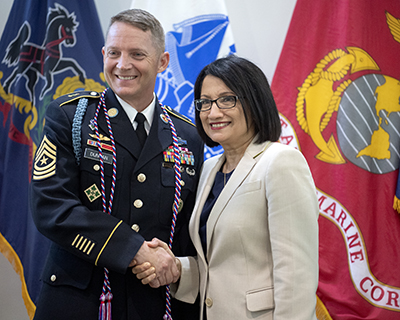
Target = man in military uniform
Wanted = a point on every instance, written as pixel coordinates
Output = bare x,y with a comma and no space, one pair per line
100,195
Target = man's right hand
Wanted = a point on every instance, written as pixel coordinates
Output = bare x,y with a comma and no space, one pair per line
159,258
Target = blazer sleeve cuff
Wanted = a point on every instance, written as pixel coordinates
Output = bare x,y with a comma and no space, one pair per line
187,288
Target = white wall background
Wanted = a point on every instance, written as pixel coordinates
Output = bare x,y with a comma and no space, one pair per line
259,29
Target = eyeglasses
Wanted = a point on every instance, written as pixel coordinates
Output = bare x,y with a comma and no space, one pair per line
226,102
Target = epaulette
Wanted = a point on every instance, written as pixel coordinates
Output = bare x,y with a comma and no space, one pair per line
179,115
77,95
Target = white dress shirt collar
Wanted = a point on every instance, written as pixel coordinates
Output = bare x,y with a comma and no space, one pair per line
148,112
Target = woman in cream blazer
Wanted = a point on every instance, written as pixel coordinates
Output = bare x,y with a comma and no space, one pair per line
255,221
262,239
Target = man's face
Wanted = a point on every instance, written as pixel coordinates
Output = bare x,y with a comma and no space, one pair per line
131,64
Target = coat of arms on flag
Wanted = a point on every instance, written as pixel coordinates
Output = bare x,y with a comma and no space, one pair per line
48,48
197,33
337,88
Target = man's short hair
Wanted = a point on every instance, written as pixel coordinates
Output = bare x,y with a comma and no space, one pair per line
143,20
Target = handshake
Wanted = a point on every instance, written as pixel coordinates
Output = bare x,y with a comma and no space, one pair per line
155,264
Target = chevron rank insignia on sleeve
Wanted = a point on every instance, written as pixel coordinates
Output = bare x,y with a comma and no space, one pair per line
45,160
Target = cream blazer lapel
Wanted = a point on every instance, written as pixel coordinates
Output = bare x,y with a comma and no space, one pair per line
211,167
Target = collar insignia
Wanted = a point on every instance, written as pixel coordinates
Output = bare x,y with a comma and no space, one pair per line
163,118
113,112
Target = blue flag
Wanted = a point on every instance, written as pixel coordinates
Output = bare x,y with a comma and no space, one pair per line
48,48
196,33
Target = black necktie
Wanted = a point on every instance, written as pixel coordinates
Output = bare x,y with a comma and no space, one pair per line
140,130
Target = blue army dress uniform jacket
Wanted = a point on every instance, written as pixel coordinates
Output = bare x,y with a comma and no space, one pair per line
67,208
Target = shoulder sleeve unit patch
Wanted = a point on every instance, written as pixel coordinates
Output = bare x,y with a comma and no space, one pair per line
45,160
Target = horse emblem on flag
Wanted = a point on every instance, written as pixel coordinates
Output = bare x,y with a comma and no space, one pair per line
40,73
31,60
45,53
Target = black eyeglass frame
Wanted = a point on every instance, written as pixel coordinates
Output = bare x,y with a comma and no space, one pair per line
216,103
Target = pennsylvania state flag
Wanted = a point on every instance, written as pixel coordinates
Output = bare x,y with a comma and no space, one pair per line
48,48
338,91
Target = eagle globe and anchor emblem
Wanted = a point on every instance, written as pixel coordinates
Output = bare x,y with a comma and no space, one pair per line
368,109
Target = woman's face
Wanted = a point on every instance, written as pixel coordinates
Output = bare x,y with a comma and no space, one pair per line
226,126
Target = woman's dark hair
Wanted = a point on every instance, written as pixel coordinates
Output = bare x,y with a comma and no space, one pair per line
249,83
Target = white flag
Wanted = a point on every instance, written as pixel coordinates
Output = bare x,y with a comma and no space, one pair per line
196,33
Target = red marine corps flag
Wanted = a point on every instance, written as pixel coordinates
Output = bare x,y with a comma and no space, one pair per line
338,91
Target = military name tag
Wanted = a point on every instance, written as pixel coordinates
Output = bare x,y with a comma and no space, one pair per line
93,154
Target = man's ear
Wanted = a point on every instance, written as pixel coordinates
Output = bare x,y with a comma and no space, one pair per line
164,60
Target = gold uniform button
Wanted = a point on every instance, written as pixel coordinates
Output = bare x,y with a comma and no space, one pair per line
135,227
53,278
96,167
180,205
93,93
138,203
182,183
141,177
209,302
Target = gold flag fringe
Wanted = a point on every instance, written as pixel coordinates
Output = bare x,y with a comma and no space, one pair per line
396,204
321,312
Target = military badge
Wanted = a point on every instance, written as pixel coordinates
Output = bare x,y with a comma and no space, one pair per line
102,145
93,192
102,137
92,125
181,142
163,118
113,112
190,172
45,160
186,156
168,165
168,154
